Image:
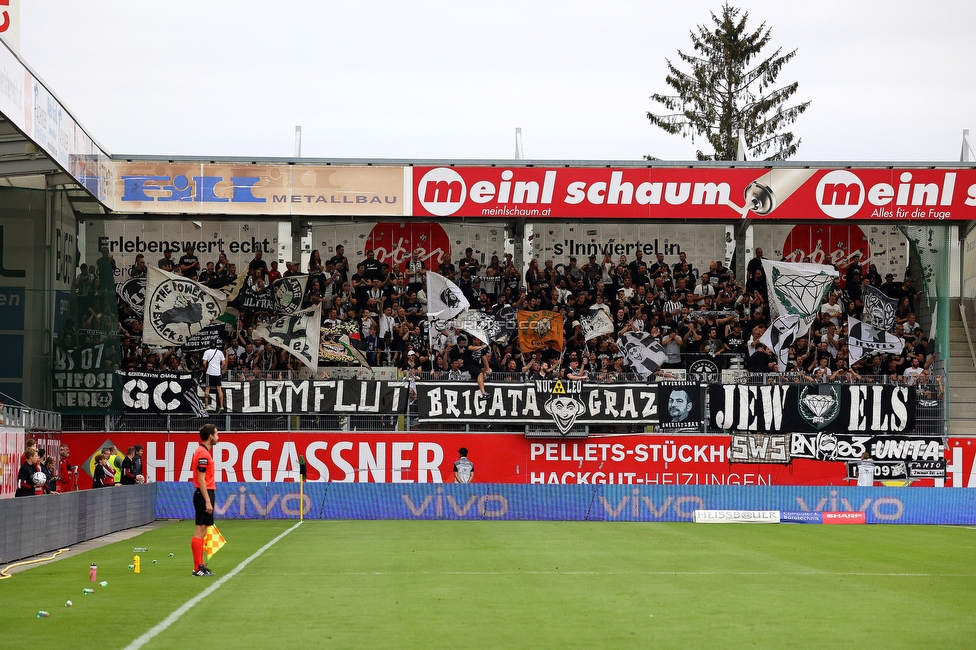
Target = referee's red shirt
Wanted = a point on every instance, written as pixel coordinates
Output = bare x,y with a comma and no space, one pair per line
203,462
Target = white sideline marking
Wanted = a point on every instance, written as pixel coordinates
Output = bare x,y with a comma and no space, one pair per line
640,573
175,616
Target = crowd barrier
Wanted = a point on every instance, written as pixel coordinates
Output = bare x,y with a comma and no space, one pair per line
37,524
563,502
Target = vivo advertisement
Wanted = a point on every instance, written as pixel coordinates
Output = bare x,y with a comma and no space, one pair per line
563,502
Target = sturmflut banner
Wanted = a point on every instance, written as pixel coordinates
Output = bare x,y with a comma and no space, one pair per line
815,407
344,396
563,403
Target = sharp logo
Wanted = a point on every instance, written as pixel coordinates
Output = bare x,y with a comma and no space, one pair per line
840,194
442,191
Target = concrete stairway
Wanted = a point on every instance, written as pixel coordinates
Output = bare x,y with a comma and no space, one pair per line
962,378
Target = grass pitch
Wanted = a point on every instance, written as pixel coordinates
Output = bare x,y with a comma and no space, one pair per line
476,584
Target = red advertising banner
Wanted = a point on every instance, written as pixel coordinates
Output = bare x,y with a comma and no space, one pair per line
900,195
429,458
960,456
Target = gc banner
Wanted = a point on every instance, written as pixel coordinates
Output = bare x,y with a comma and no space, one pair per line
813,407
349,396
159,392
563,403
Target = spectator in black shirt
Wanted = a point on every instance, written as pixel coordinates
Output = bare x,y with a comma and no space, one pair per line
259,264
340,261
189,264
372,268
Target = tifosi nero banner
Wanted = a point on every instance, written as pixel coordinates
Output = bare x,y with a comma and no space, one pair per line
813,407
897,195
562,404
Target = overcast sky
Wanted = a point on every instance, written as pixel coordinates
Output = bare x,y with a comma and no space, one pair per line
889,80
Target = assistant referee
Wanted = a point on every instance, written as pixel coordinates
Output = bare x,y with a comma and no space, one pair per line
204,496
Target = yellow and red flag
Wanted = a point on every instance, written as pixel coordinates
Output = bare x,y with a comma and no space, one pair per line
540,329
212,541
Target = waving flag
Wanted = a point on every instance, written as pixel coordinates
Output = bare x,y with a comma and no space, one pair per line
879,309
444,299
643,354
540,329
865,339
595,323
176,308
797,289
297,333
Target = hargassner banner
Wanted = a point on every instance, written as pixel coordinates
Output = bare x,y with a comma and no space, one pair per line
313,190
899,195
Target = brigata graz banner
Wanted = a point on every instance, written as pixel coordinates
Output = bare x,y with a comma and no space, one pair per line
895,195
813,407
344,396
564,404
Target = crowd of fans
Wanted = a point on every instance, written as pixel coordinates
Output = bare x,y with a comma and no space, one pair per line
383,309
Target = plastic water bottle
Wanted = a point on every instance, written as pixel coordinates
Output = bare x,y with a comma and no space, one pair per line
93,573
43,614
103,583
140,549
87,591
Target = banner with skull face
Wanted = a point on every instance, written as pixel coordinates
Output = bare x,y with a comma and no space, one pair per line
643,354
562,404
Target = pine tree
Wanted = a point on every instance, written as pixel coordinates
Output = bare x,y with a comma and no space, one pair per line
722,94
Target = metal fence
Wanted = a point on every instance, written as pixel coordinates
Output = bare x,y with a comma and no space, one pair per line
29,419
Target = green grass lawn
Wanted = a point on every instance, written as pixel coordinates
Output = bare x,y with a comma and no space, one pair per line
478,584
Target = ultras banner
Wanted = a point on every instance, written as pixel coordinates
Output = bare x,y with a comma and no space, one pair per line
159,392
812,407
895,195
563,404
346,396
83,382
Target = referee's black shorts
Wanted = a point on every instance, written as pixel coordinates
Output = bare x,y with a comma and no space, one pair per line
204,518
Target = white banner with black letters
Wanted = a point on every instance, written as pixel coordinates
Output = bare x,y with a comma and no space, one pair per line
563,403
343,396
760,448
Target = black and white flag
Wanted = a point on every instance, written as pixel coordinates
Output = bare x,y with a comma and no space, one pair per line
642,353
177,308
479,324
595,323
297,333
133,293
866,340
879,309
444,299
780,335
797,289
283,296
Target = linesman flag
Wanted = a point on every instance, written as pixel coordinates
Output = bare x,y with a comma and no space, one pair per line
212,541
540,329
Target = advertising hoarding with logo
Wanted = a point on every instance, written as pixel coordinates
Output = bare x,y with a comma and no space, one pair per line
248,189
900,195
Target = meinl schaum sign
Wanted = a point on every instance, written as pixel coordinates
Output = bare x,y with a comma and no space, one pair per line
562,403
903,195
344,396
848,408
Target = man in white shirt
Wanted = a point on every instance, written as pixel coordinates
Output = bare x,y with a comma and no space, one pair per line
216,367
865,471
